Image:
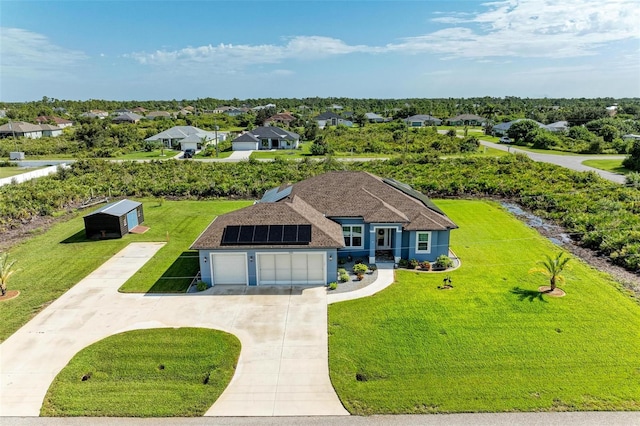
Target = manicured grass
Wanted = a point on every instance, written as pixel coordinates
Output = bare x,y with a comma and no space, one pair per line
50,263
150,155
13,171
162,372
221,154
303,151
614,166
493,343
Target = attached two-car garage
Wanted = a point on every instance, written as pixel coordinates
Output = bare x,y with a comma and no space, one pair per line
271,268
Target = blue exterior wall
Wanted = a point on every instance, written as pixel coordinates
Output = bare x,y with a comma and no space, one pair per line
205,267
364,251
439,246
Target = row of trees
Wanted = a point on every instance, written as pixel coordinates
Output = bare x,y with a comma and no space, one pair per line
598,214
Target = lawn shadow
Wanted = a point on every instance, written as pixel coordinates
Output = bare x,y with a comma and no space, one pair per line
529,295
78,237
178,276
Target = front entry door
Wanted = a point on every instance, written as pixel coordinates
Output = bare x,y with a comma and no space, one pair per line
383,239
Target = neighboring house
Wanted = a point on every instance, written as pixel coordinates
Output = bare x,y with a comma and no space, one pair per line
558,126
50,130
330,118
60,122
502,128
295,234
612,110
95,113
374,118
113,220
120,111
266,137
139,110
234,112
158,114
127,117
21,129
174,136
282,118
631,137
3,113
467,120
422,120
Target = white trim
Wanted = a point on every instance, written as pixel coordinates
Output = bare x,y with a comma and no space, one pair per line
428,250
351,225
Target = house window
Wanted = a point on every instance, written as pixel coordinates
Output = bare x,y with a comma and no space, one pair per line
423,242
352,236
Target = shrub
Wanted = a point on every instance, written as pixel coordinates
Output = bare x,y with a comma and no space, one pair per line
333,285
201,286
403,263
344,278
342,271
413,264
426,266
360,276
443,261
360,268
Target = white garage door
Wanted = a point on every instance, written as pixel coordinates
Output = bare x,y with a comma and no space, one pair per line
229,268
291,268
244,146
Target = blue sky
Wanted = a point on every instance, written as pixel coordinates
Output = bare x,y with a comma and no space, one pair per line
142,50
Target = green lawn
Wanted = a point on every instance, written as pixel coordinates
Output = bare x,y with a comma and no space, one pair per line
162,372
614,166
12,171
221,154
493,343
150,155
303,151
50,263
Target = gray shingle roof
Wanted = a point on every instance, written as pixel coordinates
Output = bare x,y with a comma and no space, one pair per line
327,116
117,208
20,127
181,132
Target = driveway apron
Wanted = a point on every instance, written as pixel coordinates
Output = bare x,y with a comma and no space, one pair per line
283,366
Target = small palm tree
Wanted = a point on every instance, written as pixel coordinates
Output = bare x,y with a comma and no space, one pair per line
6,270
552,268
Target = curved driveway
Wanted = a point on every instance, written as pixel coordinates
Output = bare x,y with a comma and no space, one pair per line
283,366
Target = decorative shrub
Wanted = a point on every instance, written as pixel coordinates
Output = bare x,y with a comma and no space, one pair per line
425,266
201,286
333,285
373,268
443,262
403,263
341,271
344,277
360,268
360,276
413,264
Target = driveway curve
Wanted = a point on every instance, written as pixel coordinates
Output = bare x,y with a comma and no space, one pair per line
283,366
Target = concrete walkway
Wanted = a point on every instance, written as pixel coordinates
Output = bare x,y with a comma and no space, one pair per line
386,277
283,367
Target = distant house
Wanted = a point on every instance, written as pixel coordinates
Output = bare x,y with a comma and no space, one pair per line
330,118
60,122
127,117
113,220
631,137
21,129
187,137
282,118
50,130
422,120
374,118
467,120
266,137
612,110
558,126
95,113
158,114
502,128
3,113
120,111
139,110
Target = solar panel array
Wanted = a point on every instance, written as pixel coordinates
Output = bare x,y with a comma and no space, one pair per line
403,187
266,234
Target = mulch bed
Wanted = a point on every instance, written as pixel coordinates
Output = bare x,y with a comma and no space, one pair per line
10,294
546,290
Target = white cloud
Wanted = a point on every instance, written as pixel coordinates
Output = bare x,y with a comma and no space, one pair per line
25,53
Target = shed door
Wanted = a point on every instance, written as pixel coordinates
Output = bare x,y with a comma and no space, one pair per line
291,268
229,268
132,219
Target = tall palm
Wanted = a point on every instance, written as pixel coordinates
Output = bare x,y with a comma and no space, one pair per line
552,268
6,270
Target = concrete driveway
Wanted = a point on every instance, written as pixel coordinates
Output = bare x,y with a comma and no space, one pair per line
283,366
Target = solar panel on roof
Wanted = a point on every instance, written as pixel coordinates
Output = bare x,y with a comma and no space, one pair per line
260,234
273,195
275,234
246,234
304,234
230,235
290,234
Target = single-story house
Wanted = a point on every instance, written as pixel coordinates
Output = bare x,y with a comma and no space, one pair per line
296,233
467,120
330,118
113,220
95,113
422,120
372,117
502,128
558,126
174,136
20,129
127,117
282,118
50,130
60,122
152,115
266,137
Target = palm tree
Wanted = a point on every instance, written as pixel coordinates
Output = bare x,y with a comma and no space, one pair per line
6,270
552,268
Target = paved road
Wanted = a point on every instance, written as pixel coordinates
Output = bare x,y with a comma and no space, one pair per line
590,418
573,162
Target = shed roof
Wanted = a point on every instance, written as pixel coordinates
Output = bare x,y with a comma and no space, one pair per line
118,208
